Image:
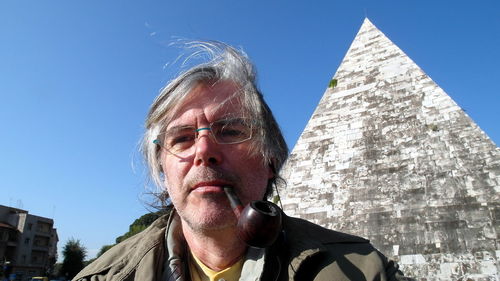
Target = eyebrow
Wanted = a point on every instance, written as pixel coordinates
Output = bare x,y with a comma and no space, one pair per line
227,117
180,127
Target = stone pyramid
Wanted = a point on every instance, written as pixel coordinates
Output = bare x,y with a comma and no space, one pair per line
389,156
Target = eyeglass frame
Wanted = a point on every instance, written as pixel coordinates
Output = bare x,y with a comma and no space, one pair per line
251,126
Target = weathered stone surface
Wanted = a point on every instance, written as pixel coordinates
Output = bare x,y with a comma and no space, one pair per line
388,155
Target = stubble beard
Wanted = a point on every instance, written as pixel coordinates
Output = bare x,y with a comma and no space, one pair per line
214,219
213,213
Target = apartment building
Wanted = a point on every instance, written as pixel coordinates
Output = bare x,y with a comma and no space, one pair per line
28,242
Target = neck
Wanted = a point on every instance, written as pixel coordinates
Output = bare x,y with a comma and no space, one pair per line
217,249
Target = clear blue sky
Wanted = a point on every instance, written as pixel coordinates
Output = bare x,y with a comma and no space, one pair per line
77,78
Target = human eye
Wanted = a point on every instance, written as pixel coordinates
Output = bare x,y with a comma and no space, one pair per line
180,138
230,131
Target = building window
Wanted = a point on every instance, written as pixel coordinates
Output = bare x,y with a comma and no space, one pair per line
43,227
41,241
30,226
26,241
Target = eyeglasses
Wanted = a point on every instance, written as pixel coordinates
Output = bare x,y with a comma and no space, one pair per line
181,140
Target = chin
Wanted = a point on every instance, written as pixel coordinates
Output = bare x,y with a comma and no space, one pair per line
212,220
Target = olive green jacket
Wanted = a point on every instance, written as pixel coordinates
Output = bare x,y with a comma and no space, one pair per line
304,251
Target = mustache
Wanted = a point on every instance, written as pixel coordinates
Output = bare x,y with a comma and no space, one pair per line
210,174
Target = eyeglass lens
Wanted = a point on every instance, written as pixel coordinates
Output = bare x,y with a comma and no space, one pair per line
181,140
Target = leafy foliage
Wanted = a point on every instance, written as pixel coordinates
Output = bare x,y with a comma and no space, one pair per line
139,225
332,84
433,127
104,249
74,255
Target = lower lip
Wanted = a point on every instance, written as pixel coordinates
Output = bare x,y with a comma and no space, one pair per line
208,189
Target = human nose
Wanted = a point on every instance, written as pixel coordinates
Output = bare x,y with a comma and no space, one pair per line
207,151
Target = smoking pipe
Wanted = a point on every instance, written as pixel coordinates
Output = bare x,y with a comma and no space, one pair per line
259,223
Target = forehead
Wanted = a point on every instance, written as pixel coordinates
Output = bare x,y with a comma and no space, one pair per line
210,101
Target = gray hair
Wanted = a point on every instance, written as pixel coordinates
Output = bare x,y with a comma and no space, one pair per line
224,64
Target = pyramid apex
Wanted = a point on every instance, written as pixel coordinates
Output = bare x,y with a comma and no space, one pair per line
367,24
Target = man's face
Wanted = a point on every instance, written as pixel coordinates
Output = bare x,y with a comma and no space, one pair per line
195,182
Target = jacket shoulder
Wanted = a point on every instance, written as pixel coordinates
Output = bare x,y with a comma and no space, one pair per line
310,231
318,251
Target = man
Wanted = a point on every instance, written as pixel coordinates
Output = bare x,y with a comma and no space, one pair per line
210,129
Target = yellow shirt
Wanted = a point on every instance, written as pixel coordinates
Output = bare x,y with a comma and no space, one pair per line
200,272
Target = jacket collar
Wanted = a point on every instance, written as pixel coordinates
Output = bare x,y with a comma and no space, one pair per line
174,267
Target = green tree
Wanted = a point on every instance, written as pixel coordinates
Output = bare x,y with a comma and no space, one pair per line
74,255
104,249
139,225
